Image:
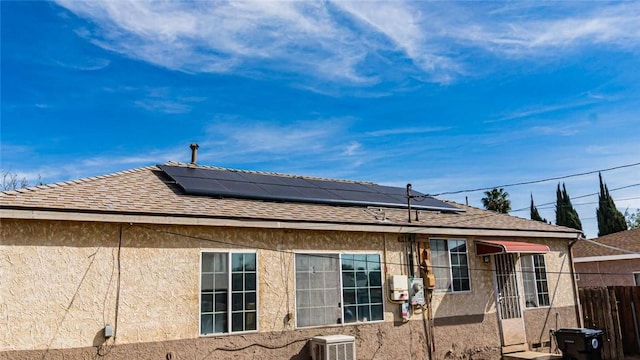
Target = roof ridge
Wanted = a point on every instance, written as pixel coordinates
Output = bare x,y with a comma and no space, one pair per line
271,173
74,181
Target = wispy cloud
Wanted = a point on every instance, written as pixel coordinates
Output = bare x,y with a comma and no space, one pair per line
88,64
350,42
411,130
238,136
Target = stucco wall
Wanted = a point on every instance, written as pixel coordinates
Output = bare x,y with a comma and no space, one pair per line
61,282
607,273
60,279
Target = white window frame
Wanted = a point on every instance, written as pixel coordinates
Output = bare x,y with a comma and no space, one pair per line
229,253
450,267
341,287
535,280
636,278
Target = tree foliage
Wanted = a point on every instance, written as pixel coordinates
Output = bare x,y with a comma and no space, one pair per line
632,219
610,219
566,215
535,215
497,200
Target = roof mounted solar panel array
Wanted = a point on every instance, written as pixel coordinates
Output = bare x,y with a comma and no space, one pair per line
245,185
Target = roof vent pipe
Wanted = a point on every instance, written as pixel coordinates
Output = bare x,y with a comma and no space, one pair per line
194,152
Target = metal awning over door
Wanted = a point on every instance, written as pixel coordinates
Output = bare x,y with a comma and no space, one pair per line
494,247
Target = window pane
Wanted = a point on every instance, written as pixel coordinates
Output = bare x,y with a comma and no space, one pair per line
316,298
215,285
206,324
237,322
347,262
220,282
250,301
348,279
249,262
363,296
207,303
206,283
303,317
236,302
221,323
302,262
440,263
359,290
373,262
207,262
250,281
302,299
363,313
350,314
250,321
376,295
376,312
349,296
237,262
236,282
375,278
360,262
317,290
221,302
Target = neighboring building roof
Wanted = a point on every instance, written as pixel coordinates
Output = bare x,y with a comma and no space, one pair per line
617,246
148,195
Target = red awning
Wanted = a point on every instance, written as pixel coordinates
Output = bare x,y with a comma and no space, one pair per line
492,247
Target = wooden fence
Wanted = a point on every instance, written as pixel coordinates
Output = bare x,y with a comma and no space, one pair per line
615,310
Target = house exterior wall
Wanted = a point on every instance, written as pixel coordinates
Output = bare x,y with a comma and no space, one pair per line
607,273
61,282
460,317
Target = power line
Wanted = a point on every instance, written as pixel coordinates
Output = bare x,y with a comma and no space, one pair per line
540,206
549,205
537,181
332,256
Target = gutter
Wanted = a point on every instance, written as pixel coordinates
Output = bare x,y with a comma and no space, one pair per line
173,219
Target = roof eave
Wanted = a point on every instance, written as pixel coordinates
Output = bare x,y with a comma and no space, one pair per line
172,219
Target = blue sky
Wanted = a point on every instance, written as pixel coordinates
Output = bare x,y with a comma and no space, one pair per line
444,95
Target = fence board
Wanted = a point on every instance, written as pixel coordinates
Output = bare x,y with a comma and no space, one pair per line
635,317
617,334
600,311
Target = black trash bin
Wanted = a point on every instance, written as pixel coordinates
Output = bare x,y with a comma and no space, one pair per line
580,343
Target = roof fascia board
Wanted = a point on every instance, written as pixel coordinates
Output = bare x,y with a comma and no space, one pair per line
274,224
606,258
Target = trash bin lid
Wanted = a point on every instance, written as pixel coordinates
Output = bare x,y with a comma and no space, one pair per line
583,331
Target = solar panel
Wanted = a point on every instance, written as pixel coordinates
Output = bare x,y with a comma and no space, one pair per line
235,184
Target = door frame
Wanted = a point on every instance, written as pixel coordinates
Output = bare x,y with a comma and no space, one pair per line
515,333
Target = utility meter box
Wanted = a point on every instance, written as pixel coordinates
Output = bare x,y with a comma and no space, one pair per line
399,287
416,291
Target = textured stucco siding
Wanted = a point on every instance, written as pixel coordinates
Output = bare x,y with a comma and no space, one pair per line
61,279
608,273
61,282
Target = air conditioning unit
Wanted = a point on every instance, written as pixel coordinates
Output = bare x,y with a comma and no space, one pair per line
333,347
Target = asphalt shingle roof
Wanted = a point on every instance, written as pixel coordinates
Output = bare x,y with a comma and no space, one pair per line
628,240
148,191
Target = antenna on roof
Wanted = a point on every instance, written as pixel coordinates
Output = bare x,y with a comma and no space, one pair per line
194,152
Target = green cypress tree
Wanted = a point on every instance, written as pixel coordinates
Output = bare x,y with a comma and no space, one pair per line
566,215
610,219
535,215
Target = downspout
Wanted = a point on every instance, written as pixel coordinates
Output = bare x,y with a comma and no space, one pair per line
576,294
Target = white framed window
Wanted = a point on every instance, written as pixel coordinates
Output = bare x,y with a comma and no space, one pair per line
450,263
228,292
534,279
334,288
636,278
